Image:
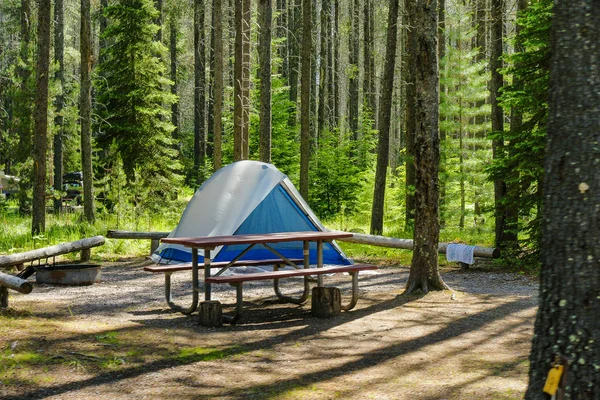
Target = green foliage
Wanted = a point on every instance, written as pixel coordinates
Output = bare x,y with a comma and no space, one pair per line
462,121
520,164
335,179
133,102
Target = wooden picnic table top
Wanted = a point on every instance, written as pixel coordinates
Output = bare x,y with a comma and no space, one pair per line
215,241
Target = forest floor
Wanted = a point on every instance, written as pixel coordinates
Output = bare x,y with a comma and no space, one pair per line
119,340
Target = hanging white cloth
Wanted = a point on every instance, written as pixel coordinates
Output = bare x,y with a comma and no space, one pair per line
460,252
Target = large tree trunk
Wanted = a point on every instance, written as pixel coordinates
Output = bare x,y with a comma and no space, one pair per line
409,71
383,149
59,76
217,22
567,326
173,31
305,97
323,114
354,68
424,273
85,110
369,92
246,40
496,83
265,15
295,16
40,145
335,79
199,92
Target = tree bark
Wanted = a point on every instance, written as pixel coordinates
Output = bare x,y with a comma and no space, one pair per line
496,83
40,145
238,102
410,113
85,110
265,15
323,120
305,97
383,148
567,326
424,273
199,91
246,40
59,101
217,9
369,94
354,68
295,11
175,86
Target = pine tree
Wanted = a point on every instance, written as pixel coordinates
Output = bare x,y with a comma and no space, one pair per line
134,106
466,86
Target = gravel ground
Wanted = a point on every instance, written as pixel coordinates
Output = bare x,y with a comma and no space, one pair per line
468,343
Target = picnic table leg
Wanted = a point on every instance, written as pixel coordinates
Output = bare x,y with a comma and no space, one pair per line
320,261
169,294
289,299
354,299
207,286
232,319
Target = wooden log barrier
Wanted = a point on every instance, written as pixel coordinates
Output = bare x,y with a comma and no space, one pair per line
153,236
51,251
15,283
407,244
326,302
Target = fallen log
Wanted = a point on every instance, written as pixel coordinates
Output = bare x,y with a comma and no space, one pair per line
83,245
15,283
407,244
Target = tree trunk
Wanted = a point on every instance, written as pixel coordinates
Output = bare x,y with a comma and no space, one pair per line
282,23
335,80
199,91
323,120
85,110
238,102
410,112
305,97
295,11
59,101
369,93
265,15
441,54
246,39
383,149
40,144
496,84
567,326
175,86
424,273
354,68
217,22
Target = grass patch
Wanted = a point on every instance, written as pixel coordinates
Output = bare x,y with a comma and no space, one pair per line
195,354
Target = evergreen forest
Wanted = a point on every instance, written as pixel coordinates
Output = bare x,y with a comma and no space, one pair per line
147,98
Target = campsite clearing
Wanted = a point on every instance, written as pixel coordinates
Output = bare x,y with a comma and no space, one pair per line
118,340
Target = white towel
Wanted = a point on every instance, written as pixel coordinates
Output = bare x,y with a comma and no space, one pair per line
460,252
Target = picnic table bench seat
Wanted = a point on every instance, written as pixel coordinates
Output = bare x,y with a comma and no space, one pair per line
238,281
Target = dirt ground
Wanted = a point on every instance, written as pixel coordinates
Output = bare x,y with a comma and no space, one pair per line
119,340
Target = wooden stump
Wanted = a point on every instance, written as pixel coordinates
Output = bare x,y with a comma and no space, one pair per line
326,302
3,297
86,254
211,314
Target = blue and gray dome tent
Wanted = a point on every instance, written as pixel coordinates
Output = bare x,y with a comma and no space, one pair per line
243,198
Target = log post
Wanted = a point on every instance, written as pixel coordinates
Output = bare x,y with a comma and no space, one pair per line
86,254
154,245
326,302
211,314
3,297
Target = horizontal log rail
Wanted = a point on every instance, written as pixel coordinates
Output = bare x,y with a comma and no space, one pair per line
382,241
15,283
408,244
83,245
153,236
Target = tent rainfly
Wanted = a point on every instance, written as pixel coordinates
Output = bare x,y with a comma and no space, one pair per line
247,197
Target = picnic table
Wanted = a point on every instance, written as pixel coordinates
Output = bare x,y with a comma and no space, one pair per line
209,243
